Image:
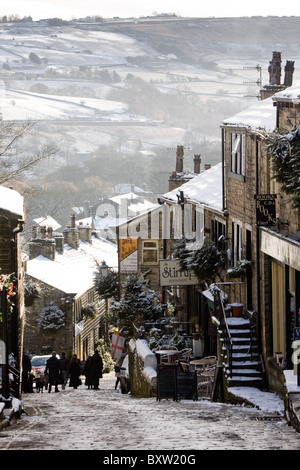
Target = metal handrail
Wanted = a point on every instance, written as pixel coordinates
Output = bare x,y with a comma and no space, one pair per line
14,389
224,324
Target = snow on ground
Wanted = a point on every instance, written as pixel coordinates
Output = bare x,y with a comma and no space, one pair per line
265,401
291,381
108,420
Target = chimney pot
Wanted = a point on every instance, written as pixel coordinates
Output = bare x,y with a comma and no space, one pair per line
197,163
44,232
73,221
179,158
289,71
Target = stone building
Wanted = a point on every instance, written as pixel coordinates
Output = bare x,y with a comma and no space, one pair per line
64,311
146,243
263,225
12,219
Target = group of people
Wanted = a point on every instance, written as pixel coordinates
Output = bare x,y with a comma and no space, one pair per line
93,371
59,371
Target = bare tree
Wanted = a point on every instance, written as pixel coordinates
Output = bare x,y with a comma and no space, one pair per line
14,162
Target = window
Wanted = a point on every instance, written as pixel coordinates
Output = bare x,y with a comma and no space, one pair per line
236,243
238,152
150,252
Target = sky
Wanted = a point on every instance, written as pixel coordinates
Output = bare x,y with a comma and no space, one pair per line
68,9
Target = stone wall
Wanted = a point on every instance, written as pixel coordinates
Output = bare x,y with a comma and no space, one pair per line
142,369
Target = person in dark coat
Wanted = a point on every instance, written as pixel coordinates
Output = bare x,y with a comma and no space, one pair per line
86,372
53,369
26,369
96,367
74,372
64,367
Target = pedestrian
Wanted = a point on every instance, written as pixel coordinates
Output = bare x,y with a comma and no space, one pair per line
118,366
64,367
86,372
53,370
26,369
96,367
75,372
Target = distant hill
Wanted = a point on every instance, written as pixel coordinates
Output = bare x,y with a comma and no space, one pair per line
120,95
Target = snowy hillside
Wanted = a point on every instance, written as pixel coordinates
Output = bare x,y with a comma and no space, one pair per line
137,88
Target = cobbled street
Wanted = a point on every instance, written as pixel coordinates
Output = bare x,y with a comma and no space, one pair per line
107,420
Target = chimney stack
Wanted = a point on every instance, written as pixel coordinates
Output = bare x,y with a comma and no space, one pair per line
179,159
44,245
289,71
275,69
197,164
71,234
85,232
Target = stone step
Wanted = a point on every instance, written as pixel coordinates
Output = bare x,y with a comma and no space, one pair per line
245,372
238,323
246,364
242,381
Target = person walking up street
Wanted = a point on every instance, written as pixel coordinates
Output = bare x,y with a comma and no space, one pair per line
86,372
96,367
118,367
64,367
26,369
75,372
53,369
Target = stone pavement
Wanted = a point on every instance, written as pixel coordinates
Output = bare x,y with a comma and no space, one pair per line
293,399
107,420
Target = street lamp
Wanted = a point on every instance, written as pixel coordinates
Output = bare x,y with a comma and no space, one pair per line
104,269
104,273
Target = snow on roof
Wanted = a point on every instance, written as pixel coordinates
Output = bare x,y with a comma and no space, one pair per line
259,116
263,114
292,93
48,221
11,201
73,271
206,188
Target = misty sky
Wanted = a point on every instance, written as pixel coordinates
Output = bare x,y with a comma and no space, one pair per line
68,9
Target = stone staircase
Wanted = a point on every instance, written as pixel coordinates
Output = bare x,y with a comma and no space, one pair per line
246,368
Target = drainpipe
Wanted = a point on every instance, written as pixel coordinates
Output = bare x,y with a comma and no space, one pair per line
223,171
16,327
258,278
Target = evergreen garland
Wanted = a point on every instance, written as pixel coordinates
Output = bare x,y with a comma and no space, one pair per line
284,150
206,262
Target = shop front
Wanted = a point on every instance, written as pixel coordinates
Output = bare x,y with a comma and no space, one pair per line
283,291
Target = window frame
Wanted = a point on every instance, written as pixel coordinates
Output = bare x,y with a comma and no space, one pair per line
150,249
238,154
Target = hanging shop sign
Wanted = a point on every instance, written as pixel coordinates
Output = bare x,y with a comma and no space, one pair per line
128,255
265,209
170,274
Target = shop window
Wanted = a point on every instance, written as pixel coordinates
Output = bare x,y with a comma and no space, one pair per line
150,255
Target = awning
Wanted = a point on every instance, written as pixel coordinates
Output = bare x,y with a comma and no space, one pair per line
281,248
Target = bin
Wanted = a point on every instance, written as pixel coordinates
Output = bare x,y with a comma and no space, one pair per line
237,309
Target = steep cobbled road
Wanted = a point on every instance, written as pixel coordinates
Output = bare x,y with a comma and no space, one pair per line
107,420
